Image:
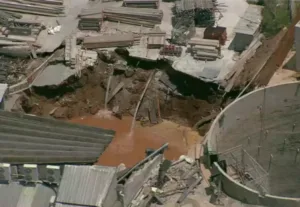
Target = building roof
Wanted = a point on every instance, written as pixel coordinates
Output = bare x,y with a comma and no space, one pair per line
86,185
17,195
32,139
3,89
250,21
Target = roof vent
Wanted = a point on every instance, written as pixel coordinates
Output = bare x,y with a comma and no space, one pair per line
53,174
5,172
31,174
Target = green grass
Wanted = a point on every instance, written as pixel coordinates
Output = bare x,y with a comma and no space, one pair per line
275,18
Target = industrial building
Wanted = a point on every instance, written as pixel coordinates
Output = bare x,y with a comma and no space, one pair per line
254,150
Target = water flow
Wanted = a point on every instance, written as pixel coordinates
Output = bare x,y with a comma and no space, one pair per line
139,103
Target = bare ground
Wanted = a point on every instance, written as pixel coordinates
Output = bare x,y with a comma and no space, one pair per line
85,95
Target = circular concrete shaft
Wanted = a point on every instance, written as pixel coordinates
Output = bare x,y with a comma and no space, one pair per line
259,137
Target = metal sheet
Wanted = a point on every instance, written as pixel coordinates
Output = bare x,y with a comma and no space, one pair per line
86,185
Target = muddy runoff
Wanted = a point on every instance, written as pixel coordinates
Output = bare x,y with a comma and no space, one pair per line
172,104
129,147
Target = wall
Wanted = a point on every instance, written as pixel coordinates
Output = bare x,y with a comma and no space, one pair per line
265,122
297,44
249,196
279,55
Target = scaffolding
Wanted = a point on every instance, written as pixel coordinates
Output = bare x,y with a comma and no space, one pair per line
188,14
242,167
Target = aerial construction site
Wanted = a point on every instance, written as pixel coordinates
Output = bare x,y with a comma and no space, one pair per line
137,103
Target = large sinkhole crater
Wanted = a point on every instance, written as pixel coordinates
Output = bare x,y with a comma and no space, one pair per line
258,136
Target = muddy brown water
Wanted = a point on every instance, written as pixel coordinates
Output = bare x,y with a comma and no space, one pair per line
129,148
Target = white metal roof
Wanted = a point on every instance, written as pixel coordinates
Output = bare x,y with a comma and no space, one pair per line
85,185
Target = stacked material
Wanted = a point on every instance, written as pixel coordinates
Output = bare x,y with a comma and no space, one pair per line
90,22
116,40
203,49
24,27
38,7
70,51
156,38
6,16
134,16
154,4
91,18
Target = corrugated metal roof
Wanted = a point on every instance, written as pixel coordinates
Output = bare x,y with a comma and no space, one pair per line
250,21
32,139
85,185
16,195
3,89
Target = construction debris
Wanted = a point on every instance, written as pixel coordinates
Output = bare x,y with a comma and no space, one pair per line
91,18
134,16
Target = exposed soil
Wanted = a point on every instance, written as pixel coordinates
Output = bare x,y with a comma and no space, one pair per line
74,98
85,95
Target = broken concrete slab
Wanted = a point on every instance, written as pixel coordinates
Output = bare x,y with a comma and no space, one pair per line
53,75
115,91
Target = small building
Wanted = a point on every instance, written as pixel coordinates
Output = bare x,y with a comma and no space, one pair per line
216,33
247,28
3,93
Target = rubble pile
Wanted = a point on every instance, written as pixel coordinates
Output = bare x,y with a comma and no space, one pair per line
172,183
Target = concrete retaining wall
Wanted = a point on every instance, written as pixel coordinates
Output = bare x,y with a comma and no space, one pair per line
266,123
249,196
